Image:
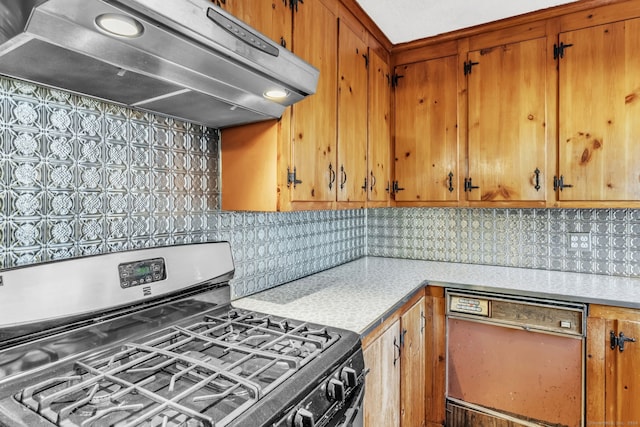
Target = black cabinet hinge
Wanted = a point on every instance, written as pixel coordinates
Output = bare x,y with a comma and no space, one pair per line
468,67
558,183
396,187
394,79
619,340
468,186
558,50
293,4
292,178
366,60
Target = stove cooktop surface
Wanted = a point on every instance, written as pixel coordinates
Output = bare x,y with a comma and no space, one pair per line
202,372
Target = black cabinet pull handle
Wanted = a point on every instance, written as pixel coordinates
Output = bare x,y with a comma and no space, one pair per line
450,182
364,187
343,177
332,176
373,181
396,346
537,186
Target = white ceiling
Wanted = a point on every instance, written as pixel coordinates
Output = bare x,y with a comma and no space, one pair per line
407,20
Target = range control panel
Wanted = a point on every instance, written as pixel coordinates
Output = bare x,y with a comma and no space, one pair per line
142,272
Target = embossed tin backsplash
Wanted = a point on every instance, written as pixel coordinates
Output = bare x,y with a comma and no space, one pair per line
529,238
80,176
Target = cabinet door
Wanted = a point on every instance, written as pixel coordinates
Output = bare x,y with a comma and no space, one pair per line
613,376
379,138
315,39
382,391
506,124
623,375
426,131
412,362
271,17
599,106
352,116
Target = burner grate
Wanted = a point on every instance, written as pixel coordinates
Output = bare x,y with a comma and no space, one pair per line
203,374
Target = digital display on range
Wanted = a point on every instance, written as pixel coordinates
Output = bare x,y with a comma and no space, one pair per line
142,272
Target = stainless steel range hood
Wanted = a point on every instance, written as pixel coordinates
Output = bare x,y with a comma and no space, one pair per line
190,59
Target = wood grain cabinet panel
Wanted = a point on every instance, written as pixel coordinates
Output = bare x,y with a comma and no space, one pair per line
382,392
324,138
352,116
613,376
314,121
396,394
506,122
412,365
599,107
426,138
379,130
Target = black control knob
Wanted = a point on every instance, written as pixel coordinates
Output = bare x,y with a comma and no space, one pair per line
349,377
303,418
335,390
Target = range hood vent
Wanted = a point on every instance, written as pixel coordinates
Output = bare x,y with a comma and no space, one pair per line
183,58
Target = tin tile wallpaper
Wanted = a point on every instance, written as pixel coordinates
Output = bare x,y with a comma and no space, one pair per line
80,176
529,238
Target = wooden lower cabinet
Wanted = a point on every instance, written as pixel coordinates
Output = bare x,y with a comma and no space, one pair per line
435,360
382,389
394,353
613,374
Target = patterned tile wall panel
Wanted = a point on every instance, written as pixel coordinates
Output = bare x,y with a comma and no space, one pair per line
80,176
529,238
274,248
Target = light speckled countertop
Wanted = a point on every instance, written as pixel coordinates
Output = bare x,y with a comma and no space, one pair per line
360,294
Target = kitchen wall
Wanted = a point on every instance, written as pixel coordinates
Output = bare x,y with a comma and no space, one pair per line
529,238
80,176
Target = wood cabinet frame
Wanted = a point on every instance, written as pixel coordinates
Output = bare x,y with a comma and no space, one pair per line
547,23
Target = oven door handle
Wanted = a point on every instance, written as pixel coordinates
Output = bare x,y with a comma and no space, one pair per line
351,413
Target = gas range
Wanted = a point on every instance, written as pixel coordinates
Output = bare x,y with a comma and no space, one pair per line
185,357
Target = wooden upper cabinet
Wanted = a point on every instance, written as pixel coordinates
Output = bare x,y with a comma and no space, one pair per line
314,122
352,116
379,135
507,142
426,132
599,109
271,17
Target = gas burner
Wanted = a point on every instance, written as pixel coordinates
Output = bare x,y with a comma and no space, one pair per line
323,333
284,325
